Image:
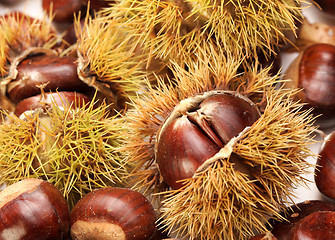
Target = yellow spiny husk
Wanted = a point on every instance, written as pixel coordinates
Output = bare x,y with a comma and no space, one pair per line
73,149
179,29
152,107
108,59
220,202
18,32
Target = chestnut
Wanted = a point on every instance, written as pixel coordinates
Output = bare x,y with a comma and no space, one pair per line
313,72
325,167
33,209
113,213
194,134
316,226
98,4
10,2
45,100
51,72
63,10
70,34
327,6
294,214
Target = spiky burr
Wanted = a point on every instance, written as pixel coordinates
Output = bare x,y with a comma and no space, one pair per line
180,29
251,177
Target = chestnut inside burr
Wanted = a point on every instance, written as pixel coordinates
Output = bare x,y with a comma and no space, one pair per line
64,9
61,99
51,72
197,129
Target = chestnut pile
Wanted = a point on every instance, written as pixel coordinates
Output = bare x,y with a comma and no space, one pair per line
35,209
153,119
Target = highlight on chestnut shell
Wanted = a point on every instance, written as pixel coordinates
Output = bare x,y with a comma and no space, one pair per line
33,209
197,129
324,171
47,100
48,71
253,174
312,73
318,225
114,214
292,215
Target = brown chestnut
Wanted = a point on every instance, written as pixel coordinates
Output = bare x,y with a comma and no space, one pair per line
313,72
325,167
98,4
63,10
70,36
61,99
50,71
327,6
113,213
33,209
293,214
316,226
10,2
197,129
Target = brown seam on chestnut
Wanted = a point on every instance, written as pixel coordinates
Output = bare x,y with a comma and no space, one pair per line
201,130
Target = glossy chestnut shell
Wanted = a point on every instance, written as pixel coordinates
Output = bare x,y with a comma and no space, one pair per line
327,6
63,10
10,2
197,129
325,170
313,71
60,99
98,4
33,209
113,213
294,214
51,71
316,226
